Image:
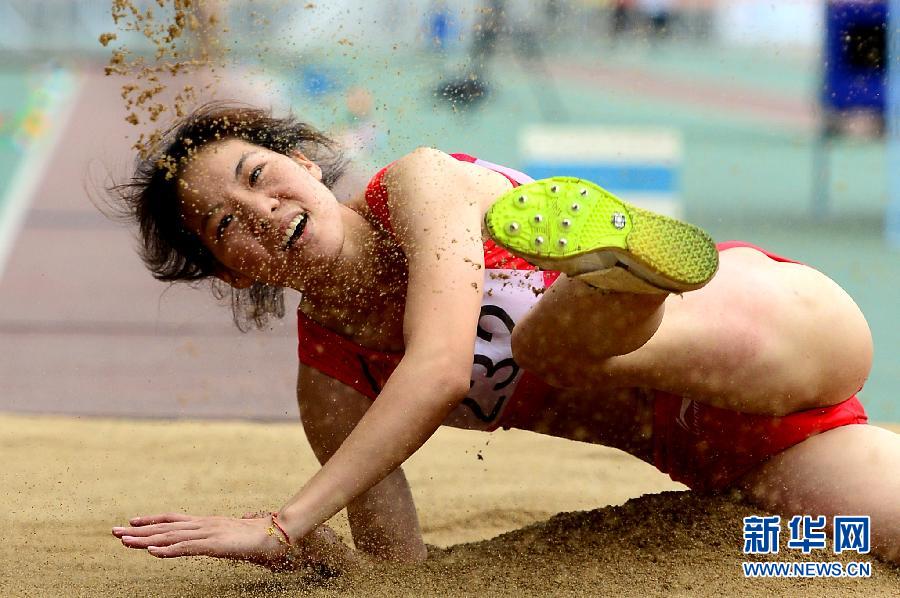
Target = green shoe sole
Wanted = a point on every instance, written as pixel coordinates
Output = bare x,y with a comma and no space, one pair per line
574,226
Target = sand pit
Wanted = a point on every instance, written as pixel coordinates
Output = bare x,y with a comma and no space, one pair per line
66,481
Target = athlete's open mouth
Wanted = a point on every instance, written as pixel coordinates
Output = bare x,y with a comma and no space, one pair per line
294,230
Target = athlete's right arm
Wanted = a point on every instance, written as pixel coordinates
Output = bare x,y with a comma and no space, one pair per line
383,520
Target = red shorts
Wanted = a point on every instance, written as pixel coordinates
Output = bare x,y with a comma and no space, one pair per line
708,448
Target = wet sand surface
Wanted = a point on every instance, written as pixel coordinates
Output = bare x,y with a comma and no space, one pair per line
488,505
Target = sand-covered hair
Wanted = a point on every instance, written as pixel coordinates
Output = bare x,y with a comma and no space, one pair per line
150,198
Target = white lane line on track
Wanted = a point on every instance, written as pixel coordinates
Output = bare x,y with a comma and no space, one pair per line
60,90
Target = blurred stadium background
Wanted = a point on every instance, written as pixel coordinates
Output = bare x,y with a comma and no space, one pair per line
736,90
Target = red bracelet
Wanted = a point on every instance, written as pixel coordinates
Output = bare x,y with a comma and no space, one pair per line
281,529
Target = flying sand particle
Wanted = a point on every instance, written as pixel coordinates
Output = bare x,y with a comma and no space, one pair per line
105,38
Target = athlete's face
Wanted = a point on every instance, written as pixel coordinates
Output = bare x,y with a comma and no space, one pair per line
265,216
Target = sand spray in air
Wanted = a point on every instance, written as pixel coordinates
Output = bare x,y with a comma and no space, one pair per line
185,37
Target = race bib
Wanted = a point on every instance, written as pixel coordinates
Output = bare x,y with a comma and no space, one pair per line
508,295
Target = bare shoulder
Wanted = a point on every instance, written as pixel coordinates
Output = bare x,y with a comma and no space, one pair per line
429,167
422,157
421,165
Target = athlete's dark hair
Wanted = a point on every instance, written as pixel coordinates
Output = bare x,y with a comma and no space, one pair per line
150,198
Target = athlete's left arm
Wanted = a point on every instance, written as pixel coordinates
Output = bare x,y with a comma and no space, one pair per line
435,204
436,211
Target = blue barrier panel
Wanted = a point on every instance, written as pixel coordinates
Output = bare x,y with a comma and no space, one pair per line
641,164
855,55
619,178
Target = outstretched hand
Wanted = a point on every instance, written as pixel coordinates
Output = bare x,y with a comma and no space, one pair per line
248,539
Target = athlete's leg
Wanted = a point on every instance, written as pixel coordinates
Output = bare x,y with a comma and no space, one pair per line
761,337
851,470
